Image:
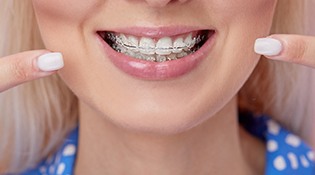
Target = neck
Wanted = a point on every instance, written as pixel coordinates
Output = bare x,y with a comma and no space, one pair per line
208,148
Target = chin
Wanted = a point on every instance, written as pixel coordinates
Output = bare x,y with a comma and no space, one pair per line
159,119
158,124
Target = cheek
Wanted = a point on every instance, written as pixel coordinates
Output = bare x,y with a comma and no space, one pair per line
67,11
239,23
237,11
244,6
63,24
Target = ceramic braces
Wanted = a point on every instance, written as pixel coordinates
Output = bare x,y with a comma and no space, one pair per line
132,51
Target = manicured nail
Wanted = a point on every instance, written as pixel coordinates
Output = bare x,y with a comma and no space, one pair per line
268,46
50,62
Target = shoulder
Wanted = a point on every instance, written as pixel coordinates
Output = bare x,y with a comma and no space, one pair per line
286,152
62,161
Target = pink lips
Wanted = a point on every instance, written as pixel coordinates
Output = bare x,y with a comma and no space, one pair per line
154,70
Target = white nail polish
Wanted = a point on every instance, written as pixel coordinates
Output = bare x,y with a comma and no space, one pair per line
50,61
268,46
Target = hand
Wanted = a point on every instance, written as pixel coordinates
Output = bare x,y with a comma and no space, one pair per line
26,66
290,48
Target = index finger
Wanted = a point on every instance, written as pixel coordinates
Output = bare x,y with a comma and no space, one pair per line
27,66
291,48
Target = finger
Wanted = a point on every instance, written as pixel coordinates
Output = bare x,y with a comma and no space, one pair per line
291,48
27,66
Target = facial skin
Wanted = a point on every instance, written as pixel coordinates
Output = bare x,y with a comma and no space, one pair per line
163,107
165,114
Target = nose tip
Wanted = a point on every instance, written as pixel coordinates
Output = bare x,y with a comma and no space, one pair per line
162,3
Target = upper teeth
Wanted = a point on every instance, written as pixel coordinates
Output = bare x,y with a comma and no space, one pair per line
163,46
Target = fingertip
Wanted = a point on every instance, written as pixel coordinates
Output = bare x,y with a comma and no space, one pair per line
51,61
269,47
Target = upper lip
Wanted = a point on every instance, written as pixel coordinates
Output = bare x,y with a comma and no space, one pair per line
156,32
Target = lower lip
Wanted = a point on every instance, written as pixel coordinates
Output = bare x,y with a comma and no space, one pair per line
157,71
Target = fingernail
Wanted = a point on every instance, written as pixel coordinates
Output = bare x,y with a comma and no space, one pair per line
50,62
268,46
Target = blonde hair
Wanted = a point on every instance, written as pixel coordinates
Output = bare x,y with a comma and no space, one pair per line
36,116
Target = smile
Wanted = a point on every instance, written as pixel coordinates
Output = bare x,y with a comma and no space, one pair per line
156,53
156,49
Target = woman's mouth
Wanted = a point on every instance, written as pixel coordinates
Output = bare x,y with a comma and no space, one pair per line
156,49
156,54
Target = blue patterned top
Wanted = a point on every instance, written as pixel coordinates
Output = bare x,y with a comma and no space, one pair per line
286,153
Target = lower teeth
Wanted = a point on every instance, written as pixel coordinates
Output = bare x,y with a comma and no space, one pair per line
154,57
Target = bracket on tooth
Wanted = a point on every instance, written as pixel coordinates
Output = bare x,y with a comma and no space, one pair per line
152,58
111,36
121,44
187,46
